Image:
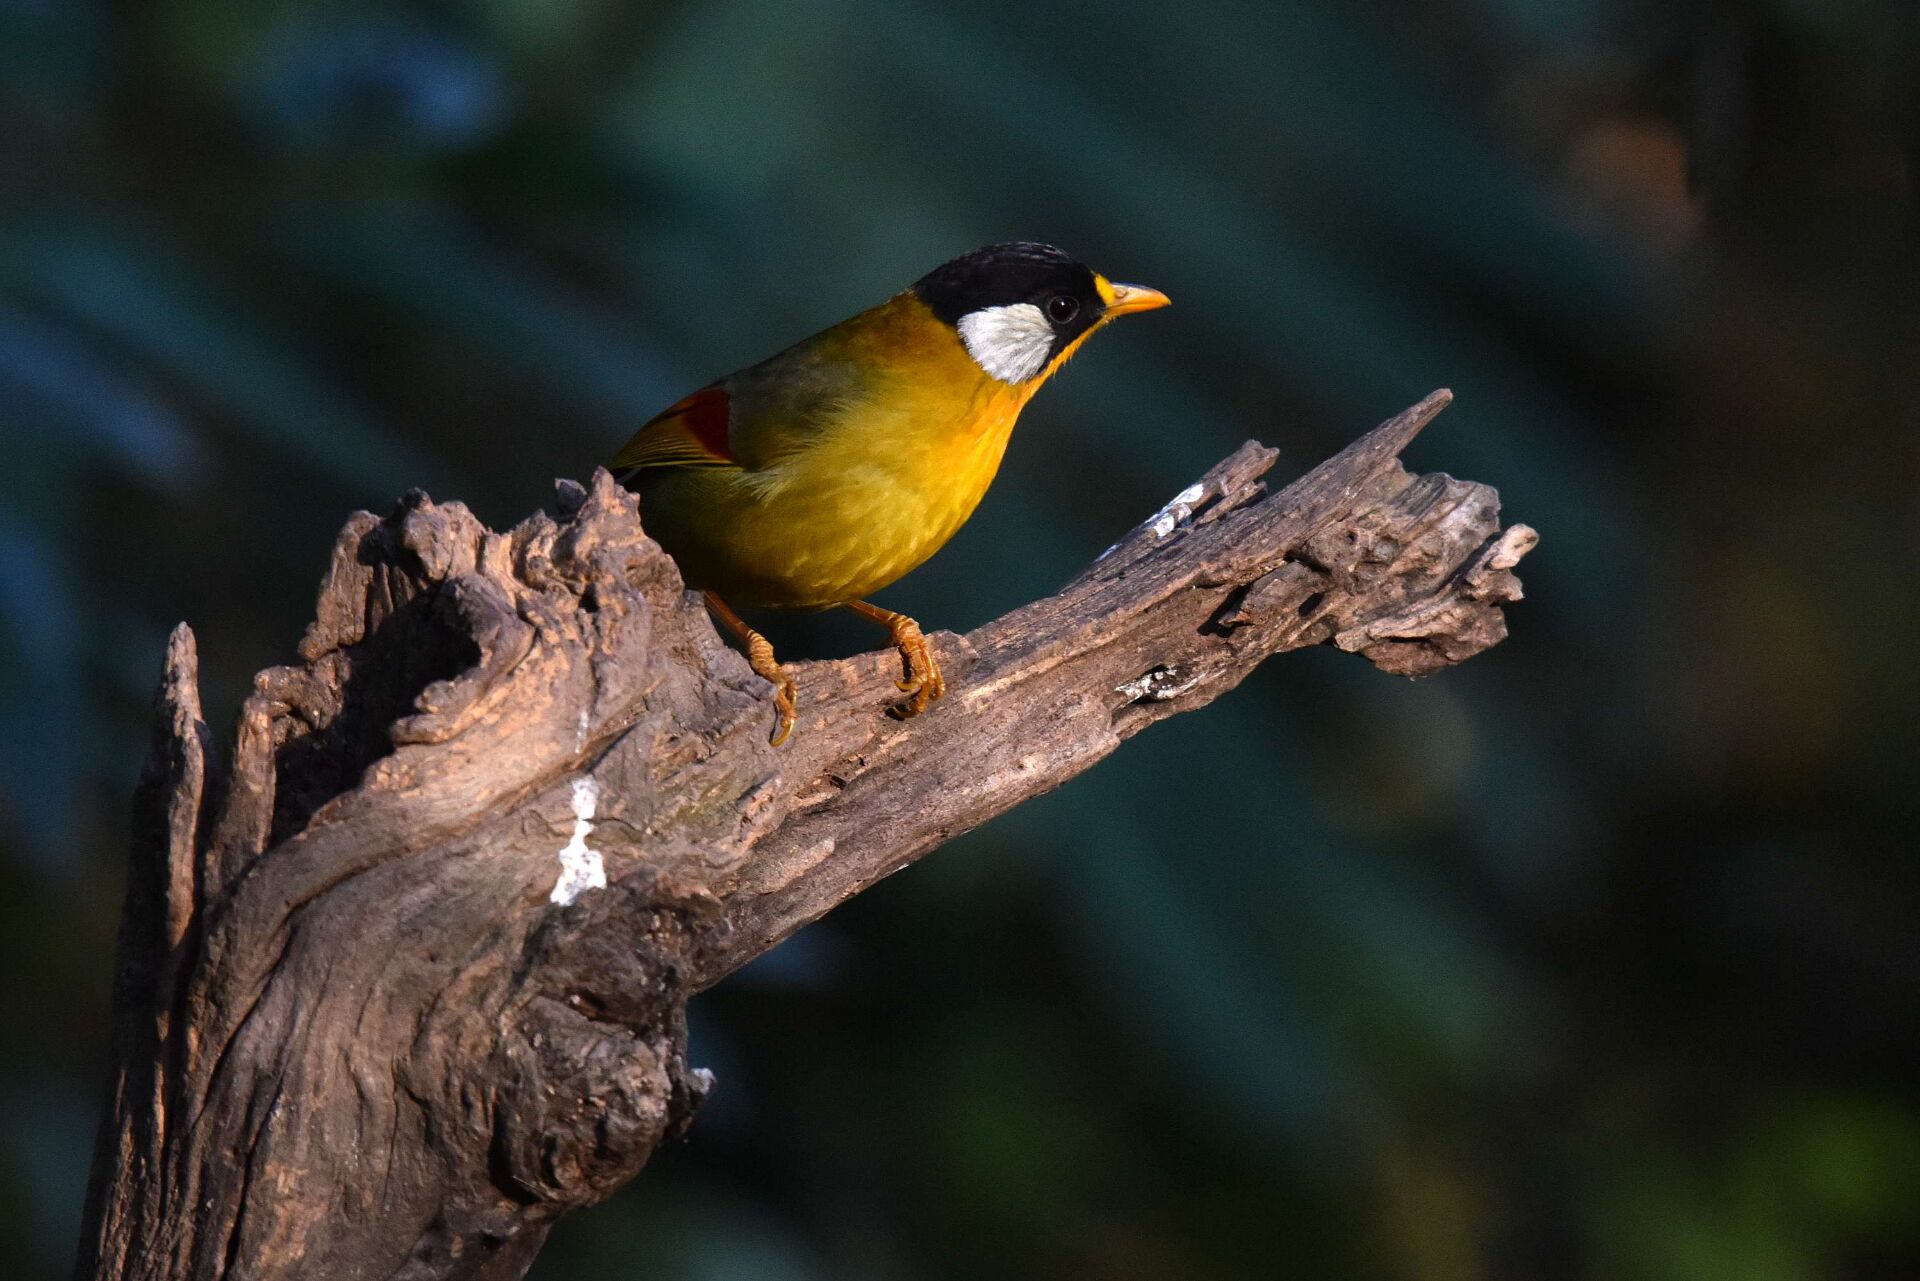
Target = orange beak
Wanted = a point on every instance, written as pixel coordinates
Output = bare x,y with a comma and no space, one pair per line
1129,298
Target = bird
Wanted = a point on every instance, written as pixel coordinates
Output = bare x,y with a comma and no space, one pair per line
824,473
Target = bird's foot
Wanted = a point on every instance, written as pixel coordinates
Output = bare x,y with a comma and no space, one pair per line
924,682
760,658
765,665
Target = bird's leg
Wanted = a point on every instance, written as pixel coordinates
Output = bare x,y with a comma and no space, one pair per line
924,682
760,658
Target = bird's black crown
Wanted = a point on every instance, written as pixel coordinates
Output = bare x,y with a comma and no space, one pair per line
1016,272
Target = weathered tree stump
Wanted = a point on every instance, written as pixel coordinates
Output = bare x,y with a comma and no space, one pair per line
406,979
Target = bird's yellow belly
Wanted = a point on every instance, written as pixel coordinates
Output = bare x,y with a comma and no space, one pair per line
837,522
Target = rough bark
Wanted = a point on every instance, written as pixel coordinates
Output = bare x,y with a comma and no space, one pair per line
359,1035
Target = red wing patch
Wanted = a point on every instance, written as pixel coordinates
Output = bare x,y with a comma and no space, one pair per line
689,433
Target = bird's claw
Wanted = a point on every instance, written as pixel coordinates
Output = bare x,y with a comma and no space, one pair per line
924,683
760,658
784,713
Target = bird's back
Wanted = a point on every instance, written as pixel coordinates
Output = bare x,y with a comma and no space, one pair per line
846,461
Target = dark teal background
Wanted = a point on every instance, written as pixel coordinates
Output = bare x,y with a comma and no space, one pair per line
1595,958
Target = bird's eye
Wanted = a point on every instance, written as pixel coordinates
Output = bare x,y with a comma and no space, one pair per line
1062,307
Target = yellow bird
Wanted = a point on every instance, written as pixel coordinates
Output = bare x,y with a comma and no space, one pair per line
820,475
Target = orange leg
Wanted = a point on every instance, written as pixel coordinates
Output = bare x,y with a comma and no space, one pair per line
924,682
760,658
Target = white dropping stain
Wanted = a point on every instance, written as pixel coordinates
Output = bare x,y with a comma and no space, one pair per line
1161,685
580,868
1170,517
580,731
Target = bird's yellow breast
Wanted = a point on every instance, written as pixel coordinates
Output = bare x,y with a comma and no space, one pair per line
844,507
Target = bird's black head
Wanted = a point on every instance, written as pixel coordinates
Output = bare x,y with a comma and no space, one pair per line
1003,275
1016,306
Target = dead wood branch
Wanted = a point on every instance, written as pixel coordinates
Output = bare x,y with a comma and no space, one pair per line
406,979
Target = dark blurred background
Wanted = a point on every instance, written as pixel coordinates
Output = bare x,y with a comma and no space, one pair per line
1595,958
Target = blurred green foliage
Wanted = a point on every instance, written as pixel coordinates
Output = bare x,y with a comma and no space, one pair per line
1594,958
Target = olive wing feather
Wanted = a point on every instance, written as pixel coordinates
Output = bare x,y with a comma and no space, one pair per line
691,432
757,416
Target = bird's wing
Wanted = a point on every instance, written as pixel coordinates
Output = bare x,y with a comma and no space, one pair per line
763,414
692,432
785,402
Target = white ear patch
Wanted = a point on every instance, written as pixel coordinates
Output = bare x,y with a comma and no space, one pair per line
1011,343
